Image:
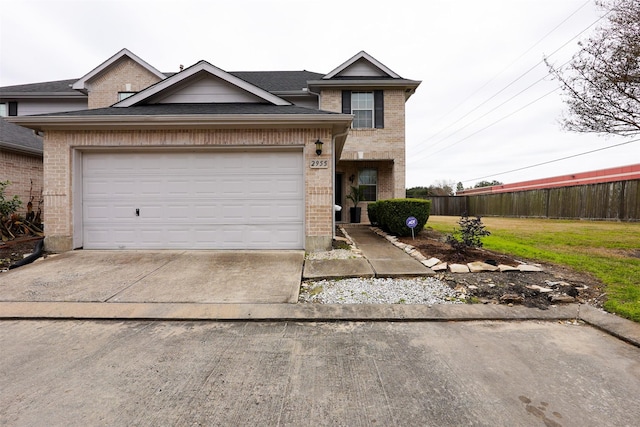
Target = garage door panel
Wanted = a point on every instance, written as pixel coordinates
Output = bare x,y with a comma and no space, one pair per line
205,200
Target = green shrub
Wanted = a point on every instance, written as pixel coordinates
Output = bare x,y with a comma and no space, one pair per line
372,212
469,235
392,215
8,206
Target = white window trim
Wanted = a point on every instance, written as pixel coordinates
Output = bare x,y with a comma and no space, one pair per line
372,109
369,185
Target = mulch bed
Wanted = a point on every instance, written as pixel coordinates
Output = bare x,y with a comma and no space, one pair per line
509,287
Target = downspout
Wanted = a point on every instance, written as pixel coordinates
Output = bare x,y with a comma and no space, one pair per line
333,169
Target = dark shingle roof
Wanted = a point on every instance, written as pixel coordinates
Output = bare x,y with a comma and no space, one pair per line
44,87
18,138
271,81
278,81
178,109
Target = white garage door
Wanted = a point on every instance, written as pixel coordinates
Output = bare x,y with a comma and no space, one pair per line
194,200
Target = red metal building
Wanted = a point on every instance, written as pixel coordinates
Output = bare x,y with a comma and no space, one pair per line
621,173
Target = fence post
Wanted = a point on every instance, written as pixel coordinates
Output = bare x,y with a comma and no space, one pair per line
546,209
623,190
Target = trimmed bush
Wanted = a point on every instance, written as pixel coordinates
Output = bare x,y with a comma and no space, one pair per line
372,212
391,215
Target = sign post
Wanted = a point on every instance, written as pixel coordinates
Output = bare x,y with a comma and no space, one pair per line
411,223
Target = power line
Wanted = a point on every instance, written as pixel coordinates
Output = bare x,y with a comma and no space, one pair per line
553,161
489,125
513,62
504,88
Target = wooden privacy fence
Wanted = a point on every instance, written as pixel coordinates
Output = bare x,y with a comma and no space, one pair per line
618,200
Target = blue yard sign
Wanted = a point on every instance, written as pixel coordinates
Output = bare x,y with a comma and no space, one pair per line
411,223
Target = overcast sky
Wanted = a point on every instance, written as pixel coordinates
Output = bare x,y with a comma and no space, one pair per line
484,106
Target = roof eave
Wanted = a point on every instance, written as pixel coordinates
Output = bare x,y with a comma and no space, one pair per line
41,95
347,83
20,149
182,121
409,86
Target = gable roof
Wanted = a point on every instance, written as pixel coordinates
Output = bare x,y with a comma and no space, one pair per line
189,74
57,89
364,72
81,83
279,81
16,138
362,56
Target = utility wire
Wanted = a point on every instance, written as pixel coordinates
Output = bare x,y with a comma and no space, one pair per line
413,160
510,64
505,88
553,161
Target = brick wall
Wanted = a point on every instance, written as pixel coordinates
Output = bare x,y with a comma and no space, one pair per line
21,170
103,88
364,146
59,147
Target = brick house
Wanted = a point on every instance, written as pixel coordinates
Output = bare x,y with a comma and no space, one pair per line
21,162
209,159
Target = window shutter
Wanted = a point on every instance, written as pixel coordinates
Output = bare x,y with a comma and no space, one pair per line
346,102
378,105
13,108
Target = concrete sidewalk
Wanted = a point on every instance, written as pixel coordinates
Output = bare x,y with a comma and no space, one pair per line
381,259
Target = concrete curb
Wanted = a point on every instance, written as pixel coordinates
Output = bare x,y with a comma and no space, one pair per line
618,327
623,329
280,312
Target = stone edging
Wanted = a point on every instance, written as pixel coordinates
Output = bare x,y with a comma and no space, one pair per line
436,265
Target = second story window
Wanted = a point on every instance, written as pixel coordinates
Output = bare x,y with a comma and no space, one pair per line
8,109
367,108
362,109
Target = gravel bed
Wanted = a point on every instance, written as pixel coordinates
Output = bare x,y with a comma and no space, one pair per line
421,290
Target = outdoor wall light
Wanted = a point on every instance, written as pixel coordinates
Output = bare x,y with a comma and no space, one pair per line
319,147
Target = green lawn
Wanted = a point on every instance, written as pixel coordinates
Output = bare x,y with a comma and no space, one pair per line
609,251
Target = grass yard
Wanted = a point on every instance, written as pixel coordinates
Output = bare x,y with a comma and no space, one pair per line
609,251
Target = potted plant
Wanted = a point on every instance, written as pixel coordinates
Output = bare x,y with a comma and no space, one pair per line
356,196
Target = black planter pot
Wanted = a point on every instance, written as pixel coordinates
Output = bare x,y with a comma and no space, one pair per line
355,213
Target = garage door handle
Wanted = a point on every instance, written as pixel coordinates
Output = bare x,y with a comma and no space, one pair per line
137,212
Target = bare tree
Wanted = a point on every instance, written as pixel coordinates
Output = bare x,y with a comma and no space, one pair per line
601,83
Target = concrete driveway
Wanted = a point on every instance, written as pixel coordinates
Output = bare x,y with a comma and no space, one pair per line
150,373
158,276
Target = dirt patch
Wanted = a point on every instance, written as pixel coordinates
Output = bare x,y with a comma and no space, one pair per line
16,249
554,285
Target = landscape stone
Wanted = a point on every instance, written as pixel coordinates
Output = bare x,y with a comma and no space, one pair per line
528,268
562,298
478,266
439,267
431,262
512,298
417,255
458,268
503,268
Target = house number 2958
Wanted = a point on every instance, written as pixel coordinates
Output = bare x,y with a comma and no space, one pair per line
319,164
